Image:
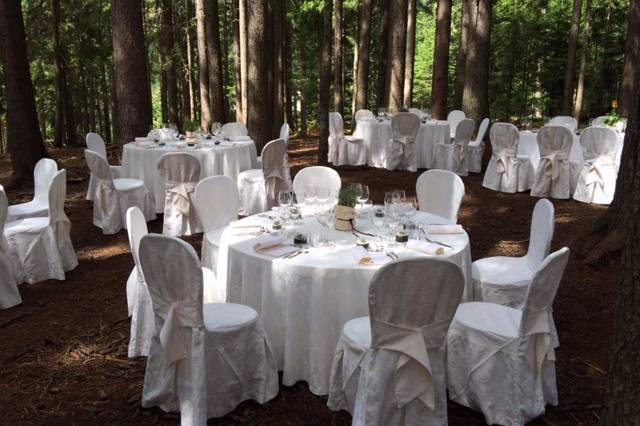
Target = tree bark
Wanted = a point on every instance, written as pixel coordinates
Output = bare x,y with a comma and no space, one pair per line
242,24
396,49
131,74
462,56
567,98
203,66
631,58
338,84
382,88
410,54
65,116
258,116
325,82
475,100
189,77
167,46
23,131
288,73
441,60
214,60
364,43
583,62
106,95
276,62
237,63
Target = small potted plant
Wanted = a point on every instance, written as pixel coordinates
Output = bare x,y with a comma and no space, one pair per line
345,210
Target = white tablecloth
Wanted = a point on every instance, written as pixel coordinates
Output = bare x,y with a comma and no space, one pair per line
305,301
227,159
376,135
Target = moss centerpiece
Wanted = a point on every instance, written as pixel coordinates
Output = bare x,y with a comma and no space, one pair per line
345,210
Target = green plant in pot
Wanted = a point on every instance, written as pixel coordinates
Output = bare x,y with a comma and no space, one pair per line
345,210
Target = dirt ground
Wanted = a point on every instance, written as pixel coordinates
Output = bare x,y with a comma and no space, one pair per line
63,352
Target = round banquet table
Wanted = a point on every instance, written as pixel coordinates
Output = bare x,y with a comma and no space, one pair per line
376,135
304,301
227,158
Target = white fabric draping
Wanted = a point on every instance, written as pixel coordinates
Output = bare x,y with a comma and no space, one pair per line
528,146
344,150
440,192
501,360
453,156
507,171
401,148
228,158
476,148
9,269
43,174
556,174
204,360
376,134
597,180
454,118
234,129
565,121
311,178
390,368
181,174
95,143
305,301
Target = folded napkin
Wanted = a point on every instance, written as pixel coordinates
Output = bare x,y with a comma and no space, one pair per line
445,229
273,246
365,258
246,228
239,138
426,247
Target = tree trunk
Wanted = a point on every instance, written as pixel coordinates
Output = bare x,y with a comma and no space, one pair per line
66,117
131,74
276,61
441,61
631,58
214,60
167,46
23,131
396,49
410,54
191,91
475,100
164,110
242,24
338,84
583,63
382,88
364,43
237,63
462,56
567,98
258,116
325,82
203,66
105,105
288,70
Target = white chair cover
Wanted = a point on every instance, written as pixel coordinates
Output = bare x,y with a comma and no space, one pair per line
506,171
390,369
95,143
565,121
344,150
556,175
114,196
259,188
364,114
181,174
203,360
284,134
599,121
440,192
476,148
402,145
43,174
216,200
454,118
234,129
453,156
9,271
43,244
597,180
316,176
418,112
501,360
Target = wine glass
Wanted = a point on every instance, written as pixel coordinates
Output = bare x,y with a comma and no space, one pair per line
364,195
323,194
284,198
377,217
399,196
388,198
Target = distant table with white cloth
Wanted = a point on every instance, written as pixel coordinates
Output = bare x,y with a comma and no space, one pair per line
228,158
377,133
305,300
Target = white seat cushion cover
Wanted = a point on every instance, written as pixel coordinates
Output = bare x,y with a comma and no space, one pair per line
127,184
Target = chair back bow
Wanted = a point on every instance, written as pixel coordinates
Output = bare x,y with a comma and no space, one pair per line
183,192
553,162
177,315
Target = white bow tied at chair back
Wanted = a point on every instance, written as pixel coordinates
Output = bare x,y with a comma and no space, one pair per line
597,179
554,143
464,133
404,129
181,174
273,169
410,316
504,144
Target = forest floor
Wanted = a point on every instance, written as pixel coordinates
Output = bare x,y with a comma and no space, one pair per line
63,352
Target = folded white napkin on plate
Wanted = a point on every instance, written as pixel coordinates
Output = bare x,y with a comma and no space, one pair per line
273,246
365,258
239,138
445,229
426,247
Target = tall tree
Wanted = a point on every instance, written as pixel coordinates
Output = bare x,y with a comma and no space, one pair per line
475,100
382,86
131,73
242,25
461,61
275,60
23,132
65,116
441,60
361,82
167,47
214,61
631,58
396,47
338,83
189,96
258,117
583,62
570,65
237,63
203,65
410,53
325,82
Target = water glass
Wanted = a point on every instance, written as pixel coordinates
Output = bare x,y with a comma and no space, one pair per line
284,198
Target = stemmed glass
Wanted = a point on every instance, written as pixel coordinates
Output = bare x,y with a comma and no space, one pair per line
363,196
377,217
284,200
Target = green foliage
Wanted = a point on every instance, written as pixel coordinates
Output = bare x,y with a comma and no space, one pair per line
613,118
347,197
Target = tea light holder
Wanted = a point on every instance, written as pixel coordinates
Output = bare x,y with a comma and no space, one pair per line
402,237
